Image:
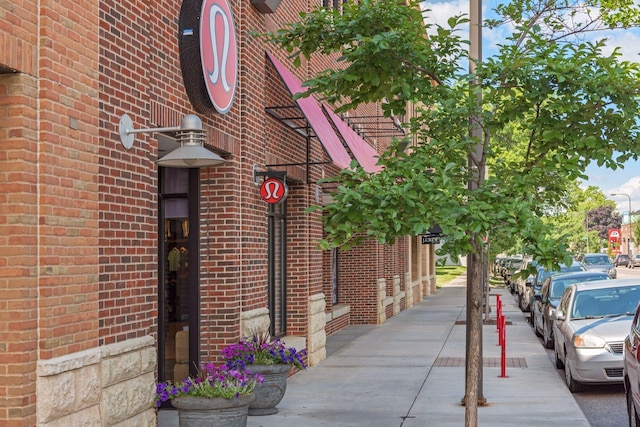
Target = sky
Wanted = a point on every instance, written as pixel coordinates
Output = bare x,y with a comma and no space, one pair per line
627,180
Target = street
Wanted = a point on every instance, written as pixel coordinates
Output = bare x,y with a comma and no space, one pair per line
604,406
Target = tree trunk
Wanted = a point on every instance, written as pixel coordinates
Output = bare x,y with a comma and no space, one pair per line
473,373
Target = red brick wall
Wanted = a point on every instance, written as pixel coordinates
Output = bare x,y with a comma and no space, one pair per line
337,324
18,214
19,35
221,275
129,65
18,250
49,176
68,178
358,273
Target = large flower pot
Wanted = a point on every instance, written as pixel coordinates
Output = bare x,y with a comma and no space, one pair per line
214,412
271,391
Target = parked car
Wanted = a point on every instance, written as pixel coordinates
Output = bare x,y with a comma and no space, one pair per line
599,262
621,259
534,285
498,265
544,304
590,325
512,266
631,369
634,261
524,276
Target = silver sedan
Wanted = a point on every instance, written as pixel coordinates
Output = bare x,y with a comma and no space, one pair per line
590,325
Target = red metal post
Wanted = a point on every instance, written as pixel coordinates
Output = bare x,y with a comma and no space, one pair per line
498,312
503,359
499,318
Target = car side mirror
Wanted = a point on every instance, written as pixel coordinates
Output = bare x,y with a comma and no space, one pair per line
558,315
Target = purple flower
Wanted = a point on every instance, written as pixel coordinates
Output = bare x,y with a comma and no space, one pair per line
258,350
210,381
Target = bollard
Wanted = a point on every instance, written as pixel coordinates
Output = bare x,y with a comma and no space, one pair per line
498,312
500,329
499,318
503,354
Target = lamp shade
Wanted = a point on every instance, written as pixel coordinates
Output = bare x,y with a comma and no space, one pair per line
191,153
190,156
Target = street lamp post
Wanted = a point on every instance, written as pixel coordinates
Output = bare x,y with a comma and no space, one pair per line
628,237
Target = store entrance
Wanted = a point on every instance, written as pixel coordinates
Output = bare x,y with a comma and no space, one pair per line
278,269
178,279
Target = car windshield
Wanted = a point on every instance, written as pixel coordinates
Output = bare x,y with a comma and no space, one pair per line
596,260
543,274
559,285
607,302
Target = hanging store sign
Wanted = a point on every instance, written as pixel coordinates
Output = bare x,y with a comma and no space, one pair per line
274,190
208,54
430,240
433,236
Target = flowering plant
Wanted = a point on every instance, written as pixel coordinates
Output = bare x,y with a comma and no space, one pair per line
210,382
258,350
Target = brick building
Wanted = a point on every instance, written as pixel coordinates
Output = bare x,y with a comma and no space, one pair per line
116,272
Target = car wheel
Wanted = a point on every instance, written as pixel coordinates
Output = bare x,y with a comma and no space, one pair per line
532,320
559,363
573,385
546,336
535,325
634,421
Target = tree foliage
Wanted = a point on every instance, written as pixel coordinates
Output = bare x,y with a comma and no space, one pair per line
557,99
602,219
548,93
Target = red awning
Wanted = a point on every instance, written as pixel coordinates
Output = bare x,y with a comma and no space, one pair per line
314,115
364,153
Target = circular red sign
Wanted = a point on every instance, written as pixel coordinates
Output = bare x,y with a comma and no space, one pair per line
273,190
219,53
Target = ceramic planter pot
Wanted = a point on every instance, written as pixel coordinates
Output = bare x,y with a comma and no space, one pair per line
215,412
271,391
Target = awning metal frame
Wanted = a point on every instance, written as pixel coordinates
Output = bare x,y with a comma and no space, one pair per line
365,128
299,124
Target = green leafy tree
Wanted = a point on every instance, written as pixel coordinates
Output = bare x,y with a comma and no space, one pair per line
572,102
601,220
584,219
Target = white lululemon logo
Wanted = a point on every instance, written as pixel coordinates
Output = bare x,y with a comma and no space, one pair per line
273,190
219,52
217,64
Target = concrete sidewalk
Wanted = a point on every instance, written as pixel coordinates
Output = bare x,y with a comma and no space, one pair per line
410,372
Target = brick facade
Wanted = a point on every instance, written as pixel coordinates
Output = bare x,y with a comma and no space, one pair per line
80,232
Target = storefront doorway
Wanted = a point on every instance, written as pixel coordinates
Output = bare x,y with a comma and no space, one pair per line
178,278
278,269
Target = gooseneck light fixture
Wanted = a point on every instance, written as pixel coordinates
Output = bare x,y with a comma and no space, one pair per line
191,136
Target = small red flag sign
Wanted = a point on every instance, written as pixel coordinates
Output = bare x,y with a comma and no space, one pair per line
273,190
